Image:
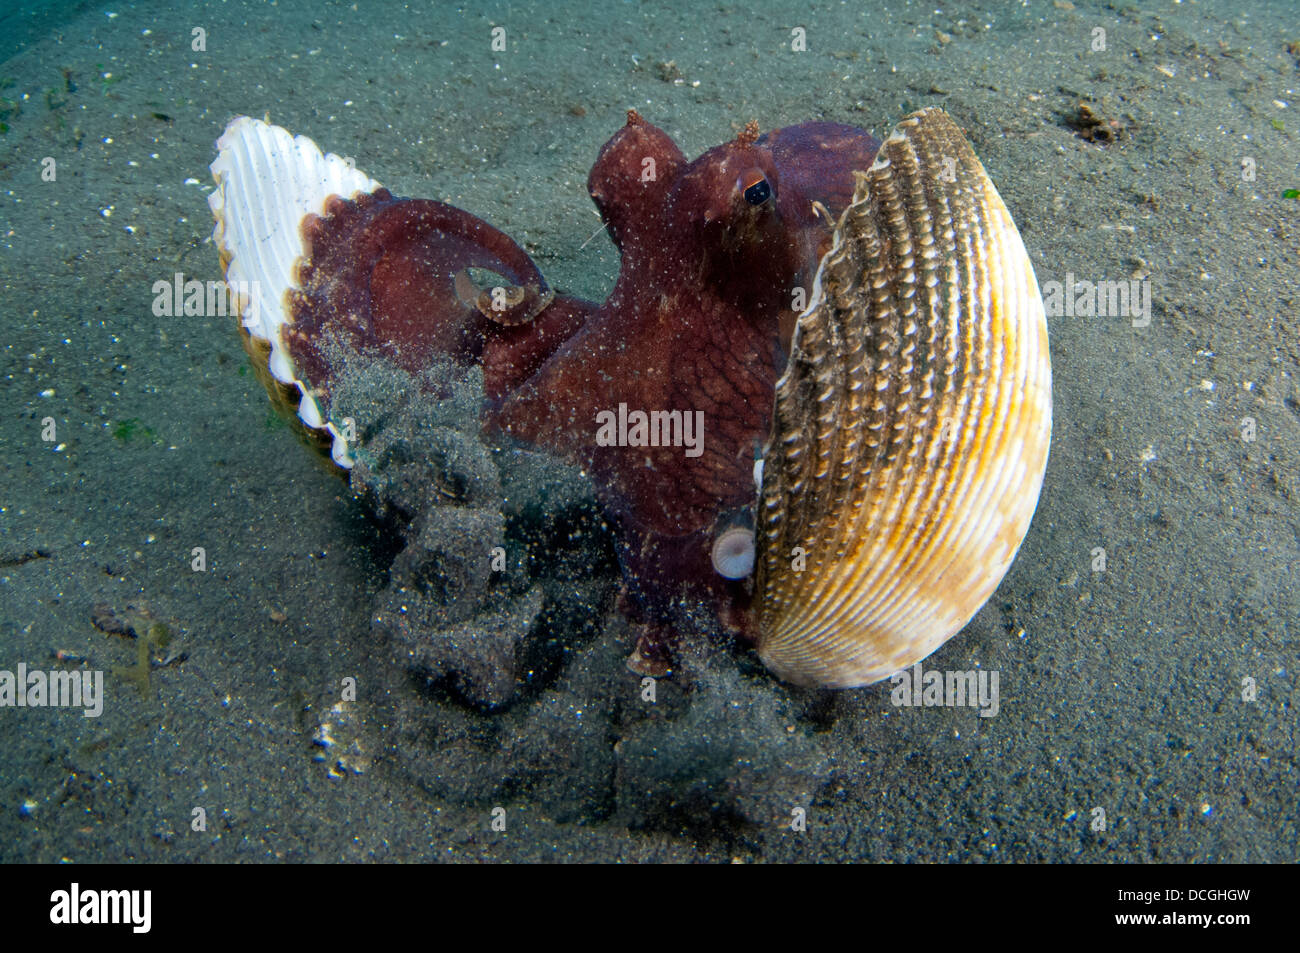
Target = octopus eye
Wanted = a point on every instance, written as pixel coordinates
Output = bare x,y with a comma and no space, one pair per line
756,188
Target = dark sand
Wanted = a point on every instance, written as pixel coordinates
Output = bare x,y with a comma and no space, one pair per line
1120,690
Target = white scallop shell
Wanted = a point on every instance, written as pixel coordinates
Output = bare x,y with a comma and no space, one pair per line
268,181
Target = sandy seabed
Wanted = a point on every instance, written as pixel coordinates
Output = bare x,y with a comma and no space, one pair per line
1158,695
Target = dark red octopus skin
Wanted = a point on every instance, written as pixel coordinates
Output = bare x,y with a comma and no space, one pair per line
380,272
715,266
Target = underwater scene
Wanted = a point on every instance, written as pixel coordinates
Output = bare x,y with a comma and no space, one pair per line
649,432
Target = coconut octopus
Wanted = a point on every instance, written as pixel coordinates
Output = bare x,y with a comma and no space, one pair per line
817,400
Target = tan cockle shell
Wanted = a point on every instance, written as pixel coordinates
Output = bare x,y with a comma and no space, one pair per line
911,427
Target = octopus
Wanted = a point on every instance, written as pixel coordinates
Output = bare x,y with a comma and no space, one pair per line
816,402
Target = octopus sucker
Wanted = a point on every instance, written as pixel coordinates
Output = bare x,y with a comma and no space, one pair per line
928,537
857,474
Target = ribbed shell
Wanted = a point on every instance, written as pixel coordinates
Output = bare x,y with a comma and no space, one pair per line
911,426
268,181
